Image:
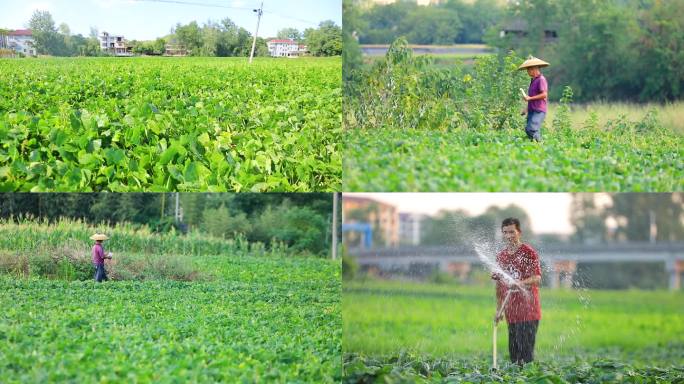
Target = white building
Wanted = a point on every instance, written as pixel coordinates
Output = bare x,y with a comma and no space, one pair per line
285,48
115,44
411,228
20,41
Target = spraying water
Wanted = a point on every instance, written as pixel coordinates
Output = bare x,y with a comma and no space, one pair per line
483,249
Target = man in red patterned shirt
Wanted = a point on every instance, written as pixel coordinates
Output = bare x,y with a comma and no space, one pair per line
523,309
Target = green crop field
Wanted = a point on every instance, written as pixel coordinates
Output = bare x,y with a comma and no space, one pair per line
238,314
167,124
413,126
589,160
401,332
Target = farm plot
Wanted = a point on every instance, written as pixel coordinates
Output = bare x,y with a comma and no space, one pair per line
170,124
240,318
588,160
426,333
414,126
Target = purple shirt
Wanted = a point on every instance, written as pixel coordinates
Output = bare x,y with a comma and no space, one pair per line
537,86
98,254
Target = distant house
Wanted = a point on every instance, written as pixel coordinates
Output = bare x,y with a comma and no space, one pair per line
20,41
175,50
519,29
114,44
285,48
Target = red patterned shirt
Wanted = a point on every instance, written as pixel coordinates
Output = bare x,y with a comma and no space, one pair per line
522,264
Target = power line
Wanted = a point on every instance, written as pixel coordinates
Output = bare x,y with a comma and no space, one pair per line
197,4
211,5
292,18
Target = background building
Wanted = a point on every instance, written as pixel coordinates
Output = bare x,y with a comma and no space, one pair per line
383,218
411,227
20,41
114,44
285,48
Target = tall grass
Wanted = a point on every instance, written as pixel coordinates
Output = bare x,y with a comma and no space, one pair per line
34,235
62,250
669,116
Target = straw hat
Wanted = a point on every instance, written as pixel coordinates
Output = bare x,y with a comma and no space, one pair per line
99,236
533,62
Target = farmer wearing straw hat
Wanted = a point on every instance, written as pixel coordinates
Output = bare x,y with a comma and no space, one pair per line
536,97
99,257
523,308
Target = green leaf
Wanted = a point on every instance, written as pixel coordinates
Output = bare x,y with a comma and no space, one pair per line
114,156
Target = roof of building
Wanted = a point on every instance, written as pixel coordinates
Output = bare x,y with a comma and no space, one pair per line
20,32
282,41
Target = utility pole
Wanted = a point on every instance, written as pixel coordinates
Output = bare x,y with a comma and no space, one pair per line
177,214
334,225
652,228
259,12
163,201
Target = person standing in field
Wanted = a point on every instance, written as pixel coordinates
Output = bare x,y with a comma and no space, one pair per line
536,97
99,257
523,309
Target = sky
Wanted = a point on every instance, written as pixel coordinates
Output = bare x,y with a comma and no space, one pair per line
549,212
149,19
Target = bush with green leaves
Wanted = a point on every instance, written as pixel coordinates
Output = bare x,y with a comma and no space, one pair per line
406,91
301,229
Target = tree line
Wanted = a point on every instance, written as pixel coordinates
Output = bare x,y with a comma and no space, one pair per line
616,50
302,221
223,38
450,22
619,217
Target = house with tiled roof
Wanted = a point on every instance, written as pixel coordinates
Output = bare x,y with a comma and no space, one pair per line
20,41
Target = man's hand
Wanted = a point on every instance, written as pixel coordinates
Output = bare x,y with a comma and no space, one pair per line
530,281
109,256
496,276
498,316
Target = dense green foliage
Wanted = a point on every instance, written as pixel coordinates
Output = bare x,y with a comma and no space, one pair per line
300,221
326,40
590,44
443,333
414,127
50,40
215,39
260,320
599,160
31,237
595,49
222,38
588,367
632,214
453,21
151,124
404,91
225,38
